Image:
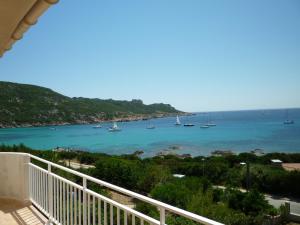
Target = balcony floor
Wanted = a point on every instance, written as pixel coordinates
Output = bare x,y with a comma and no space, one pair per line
15,213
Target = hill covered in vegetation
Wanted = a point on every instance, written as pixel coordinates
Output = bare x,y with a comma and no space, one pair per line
30,105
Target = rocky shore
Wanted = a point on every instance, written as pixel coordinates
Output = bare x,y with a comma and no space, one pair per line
93,120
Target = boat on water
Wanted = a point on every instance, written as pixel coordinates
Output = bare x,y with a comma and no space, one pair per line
178,123
151,127
211,124
204,126
114,128
288,121
97,126
188,125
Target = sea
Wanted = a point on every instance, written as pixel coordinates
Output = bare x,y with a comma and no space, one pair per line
237,131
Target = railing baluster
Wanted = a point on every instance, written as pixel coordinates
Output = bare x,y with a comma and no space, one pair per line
94,213
60,201
50,193
99,212
79,206
133,219
111,214
162,216
33,183
89,209
71,204
54,198
64,203
84,200
38,187
57,200
105,213
118,216
68,205
44,191
75,206
30,182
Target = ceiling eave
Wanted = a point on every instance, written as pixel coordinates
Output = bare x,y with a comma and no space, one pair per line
22,21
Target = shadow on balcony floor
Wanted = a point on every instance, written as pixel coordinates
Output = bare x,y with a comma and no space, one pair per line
13,212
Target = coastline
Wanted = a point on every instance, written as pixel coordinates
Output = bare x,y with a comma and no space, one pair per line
137,117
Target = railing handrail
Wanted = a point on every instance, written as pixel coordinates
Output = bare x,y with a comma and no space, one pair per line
159,204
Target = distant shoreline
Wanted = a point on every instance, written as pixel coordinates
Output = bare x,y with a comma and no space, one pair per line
85,122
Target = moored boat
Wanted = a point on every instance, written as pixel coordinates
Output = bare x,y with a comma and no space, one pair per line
114,128
178,123
211,124
189,125
151,127
288,121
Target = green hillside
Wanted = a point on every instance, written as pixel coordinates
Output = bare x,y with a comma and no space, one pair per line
26,105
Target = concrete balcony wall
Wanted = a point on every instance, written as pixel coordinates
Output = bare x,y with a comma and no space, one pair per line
14,180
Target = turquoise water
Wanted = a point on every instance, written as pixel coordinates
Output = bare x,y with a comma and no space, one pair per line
237,131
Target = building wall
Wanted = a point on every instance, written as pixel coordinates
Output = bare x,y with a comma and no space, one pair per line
14,176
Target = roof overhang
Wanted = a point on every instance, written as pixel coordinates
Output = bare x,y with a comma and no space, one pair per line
16,17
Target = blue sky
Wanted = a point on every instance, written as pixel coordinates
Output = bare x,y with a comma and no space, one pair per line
196,55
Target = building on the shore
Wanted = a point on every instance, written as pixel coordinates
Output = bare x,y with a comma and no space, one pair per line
276,162
178,175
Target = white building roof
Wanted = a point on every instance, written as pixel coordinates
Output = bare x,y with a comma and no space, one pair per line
178,175
276,161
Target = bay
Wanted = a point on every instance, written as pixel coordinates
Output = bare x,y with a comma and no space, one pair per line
238,131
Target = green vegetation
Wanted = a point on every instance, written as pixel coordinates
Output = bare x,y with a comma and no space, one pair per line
197,192
22,104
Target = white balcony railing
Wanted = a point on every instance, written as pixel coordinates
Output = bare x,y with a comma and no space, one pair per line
67,203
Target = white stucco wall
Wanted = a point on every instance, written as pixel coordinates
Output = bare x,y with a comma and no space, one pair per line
14,176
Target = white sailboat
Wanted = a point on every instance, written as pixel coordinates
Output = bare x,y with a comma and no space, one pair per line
114,128
151,127
210,123
288,121
178,123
